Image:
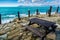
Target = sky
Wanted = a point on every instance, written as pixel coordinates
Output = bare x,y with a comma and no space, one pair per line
14,3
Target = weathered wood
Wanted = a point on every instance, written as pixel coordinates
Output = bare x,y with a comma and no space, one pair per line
34,30
19,16
28,13
37,13
49,11
0,18
42,22
57,9
46,24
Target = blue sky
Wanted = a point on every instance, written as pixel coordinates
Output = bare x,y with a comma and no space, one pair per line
8,0
9,3
29,2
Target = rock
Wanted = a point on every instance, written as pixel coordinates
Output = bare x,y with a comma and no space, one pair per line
16,28
15,20
27,37
51,36
35,25
13,35
3,37
1,26
7,29
21,34
23,21
29,34
22,29
41,16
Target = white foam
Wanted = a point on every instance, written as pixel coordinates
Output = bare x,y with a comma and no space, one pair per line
7,20
24,15
42,12
45,12
9,16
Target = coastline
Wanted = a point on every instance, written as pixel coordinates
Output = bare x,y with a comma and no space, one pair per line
29,19
14,28
8,18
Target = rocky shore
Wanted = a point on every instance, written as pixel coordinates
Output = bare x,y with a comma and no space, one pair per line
14,30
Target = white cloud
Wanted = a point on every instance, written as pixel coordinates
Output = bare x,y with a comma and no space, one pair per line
30,4
56,3
39,2
9,5
33,0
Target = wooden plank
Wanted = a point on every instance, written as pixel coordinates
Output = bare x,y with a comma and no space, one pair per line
37,12
19,16
57,9
35,31
42,22
28,13
0,18
49,11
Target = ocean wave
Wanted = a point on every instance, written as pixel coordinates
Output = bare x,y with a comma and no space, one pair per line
45,12
24,15
7,20
9,16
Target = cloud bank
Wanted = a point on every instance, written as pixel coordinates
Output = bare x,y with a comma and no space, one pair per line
39,2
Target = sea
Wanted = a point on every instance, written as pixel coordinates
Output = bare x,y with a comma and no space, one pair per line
10,13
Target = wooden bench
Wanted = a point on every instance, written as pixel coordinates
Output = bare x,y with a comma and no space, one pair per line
48,26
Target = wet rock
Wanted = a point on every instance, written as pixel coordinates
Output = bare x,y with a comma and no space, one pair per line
3,37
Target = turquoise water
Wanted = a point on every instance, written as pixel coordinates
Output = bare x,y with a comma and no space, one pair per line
11,12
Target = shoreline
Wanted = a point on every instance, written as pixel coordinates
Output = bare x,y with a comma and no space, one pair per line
7,20
15,29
